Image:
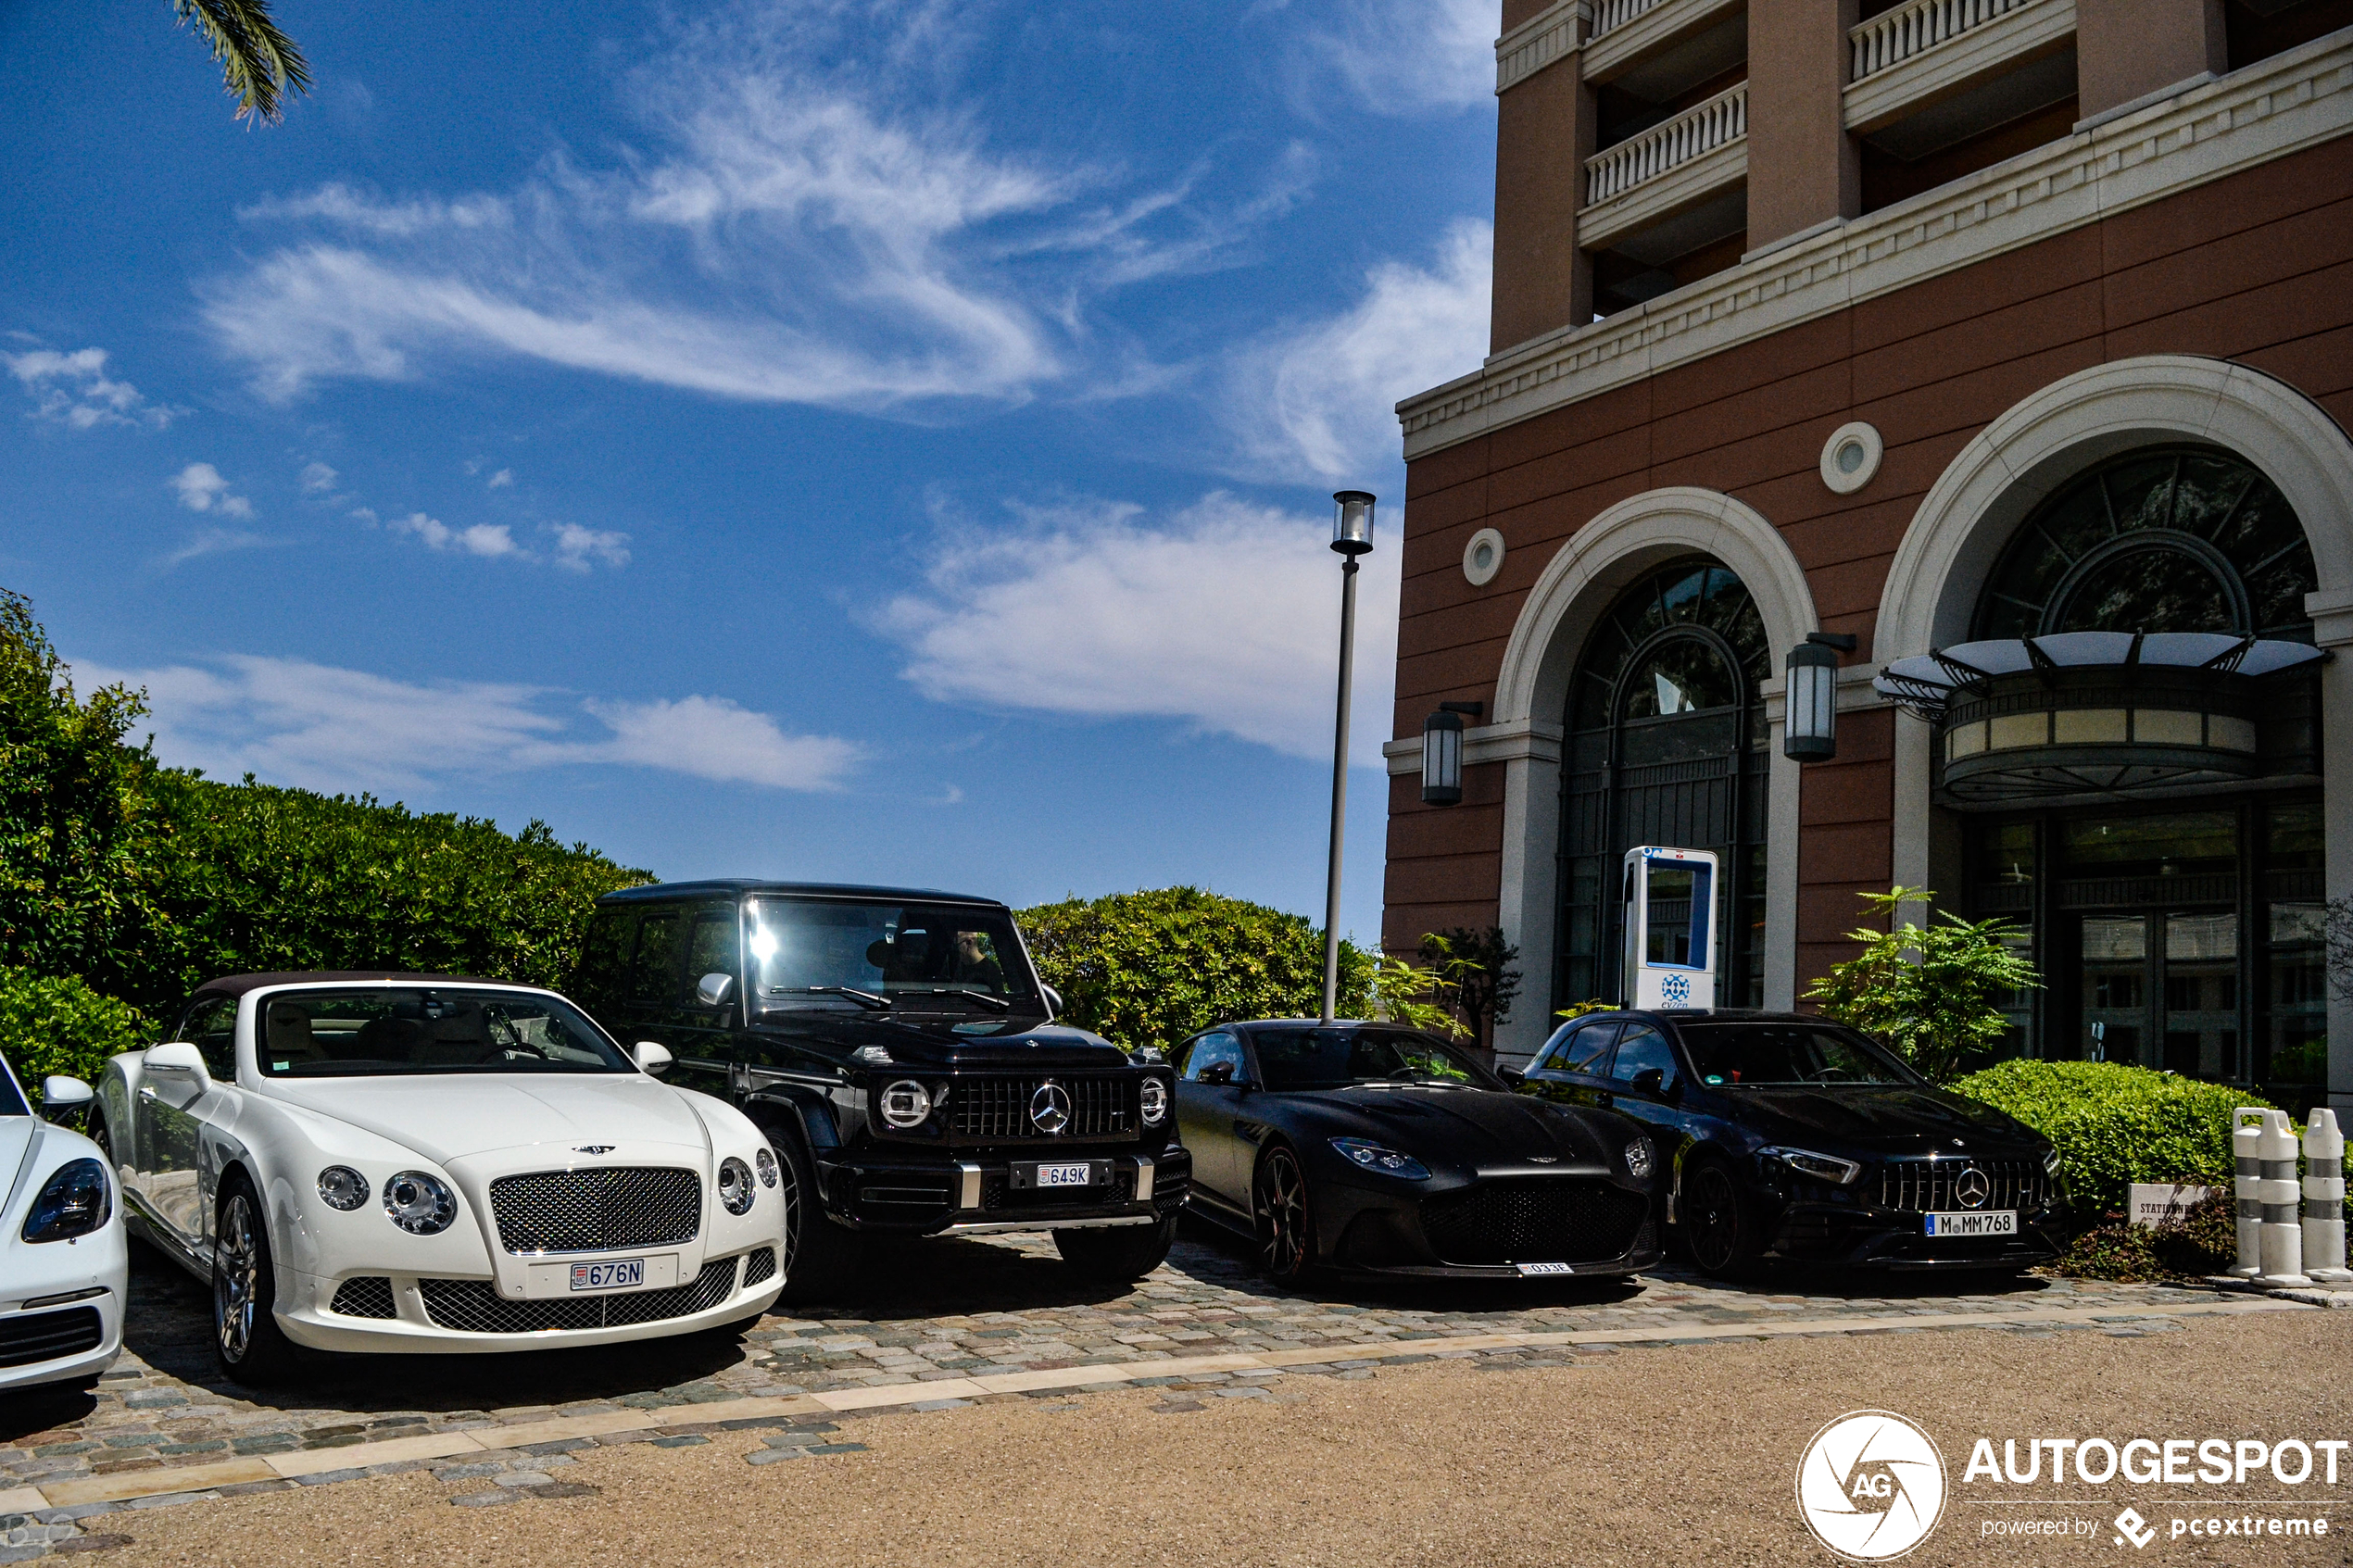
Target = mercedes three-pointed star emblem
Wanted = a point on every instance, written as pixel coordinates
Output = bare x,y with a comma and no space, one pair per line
1971,1187
1050,1110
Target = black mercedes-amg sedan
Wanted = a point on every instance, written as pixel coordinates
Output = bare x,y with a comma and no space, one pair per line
1369,1146
1789,1137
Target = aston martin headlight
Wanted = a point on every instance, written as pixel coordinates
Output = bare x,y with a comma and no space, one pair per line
906,1105
341,1187
735,1189
420,1203
1821,1167
1639,1157
1388,1162
1152,1099
767,1164
75,1200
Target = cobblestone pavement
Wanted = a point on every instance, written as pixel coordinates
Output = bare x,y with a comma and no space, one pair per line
949,1310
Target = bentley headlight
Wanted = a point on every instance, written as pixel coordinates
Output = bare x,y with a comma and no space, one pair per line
1151,1098
735,1189
1388,1162
906,1105
1639,1157
420,1203
341,1187
1821,1167
767,1163
74,1201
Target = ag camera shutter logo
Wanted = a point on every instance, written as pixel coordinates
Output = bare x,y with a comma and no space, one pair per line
1871,1485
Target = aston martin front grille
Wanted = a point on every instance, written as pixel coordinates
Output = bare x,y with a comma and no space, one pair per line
1921,1186
1569,1221
364,1295
596,1210
993,1110
475,1305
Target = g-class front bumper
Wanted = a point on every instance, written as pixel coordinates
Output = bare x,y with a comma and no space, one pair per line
970,1193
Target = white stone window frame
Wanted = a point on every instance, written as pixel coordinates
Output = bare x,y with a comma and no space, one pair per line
1477,575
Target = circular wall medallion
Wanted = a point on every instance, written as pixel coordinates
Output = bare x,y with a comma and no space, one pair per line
1850,457
1483,558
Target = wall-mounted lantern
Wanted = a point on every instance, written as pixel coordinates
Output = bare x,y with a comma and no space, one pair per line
1442,752
1809,725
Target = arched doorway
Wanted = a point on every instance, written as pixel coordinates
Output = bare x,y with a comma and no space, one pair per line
1666,744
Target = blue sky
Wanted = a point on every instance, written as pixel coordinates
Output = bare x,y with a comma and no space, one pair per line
804,438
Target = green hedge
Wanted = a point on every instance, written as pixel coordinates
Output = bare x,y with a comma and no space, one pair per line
60,1025
2115,1125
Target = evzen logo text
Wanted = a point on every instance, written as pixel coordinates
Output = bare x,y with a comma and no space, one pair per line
1872,1485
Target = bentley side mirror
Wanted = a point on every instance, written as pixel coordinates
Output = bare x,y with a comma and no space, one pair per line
653,1057
180,1058
713,990
62,1094
1511,1075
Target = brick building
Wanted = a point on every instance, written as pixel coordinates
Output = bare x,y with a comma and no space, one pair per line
1938,323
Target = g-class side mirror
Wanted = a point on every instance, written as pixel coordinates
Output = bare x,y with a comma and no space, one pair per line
713,990
653,1057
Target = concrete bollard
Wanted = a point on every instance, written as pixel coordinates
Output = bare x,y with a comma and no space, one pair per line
2324,1198
2283,1239
2247,1151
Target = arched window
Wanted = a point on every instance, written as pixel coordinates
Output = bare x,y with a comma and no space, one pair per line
1666,745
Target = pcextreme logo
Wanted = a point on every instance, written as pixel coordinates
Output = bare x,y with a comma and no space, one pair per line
1871,1485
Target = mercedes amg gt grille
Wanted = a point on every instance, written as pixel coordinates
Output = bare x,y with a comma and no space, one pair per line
365,1296
1922,1186
1565,1221
44,1336
1000,1109
474,1306
596,1210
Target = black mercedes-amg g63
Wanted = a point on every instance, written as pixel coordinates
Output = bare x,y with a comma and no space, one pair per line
901,1053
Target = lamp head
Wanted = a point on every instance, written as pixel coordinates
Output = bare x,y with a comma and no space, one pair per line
1352,522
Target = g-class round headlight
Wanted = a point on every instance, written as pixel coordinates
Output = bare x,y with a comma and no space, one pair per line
341,1187
420,1203
75,1200
1638,1157
735,1189
1152,1099
906,1105
767,1164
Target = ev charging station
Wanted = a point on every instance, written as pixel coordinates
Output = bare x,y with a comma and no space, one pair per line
1670,936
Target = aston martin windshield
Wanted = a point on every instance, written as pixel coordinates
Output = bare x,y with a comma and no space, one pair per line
1336,1059
1750,1055
411,1033
808,952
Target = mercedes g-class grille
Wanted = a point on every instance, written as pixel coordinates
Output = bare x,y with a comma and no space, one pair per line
596,1210
475,1305
1922,1187
1570,1220
991,1109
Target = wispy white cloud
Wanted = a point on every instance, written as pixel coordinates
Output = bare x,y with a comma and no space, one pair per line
500,480
213,542
74,390
318,479
1225,616
291,721
490,540
201,489
1403,56
1321,397
578,549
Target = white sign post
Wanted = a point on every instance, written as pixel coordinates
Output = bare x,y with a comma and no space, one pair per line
1670,928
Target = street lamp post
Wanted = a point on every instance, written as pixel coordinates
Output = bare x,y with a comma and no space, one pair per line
1352,536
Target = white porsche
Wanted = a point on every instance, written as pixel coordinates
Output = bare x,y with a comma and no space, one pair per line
426,1163
64,1266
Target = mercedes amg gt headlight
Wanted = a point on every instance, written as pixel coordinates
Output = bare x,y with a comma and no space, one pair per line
75,1200
1388,1162
1821,1167
341,1187
2050,1161
1151,1098
906,1105
420,1203
767,1164
736,1188
1640,1156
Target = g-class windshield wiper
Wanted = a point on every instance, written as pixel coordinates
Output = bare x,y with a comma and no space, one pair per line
993,1003
866,999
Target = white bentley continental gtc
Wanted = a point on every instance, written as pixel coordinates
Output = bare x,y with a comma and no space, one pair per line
424,1164
64,1267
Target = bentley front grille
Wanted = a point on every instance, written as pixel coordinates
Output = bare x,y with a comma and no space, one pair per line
475,1305
1571,1221
1011,1110
596,1210
365,1296
1921,1186
759,1267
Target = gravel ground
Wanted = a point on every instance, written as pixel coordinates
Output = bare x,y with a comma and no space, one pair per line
1677,1454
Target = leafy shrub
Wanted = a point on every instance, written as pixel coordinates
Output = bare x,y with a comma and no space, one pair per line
1932,993
1150,968
2114,1250
2205,1240
2115,1125
60,1025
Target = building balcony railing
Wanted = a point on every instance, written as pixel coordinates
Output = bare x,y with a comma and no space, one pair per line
1892,37
1692,134
1612,14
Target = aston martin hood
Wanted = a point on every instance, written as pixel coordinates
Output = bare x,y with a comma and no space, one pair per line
1485,1123
450,1116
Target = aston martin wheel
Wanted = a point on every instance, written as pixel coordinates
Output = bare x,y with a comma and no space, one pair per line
245,1335
820,1259
1286,1224
1717,1225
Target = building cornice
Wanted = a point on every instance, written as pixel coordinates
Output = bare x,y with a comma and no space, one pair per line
1551,34
2268,111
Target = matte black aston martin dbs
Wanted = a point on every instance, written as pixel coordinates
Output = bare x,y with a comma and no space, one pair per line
1369,1146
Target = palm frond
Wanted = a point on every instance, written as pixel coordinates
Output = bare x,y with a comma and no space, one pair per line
259,63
